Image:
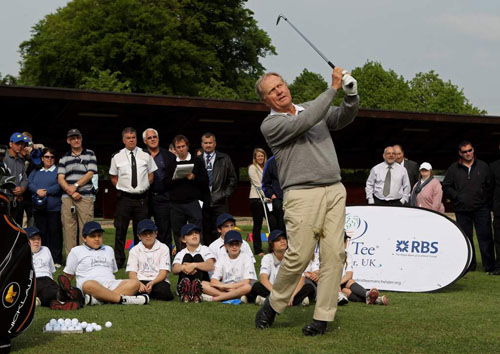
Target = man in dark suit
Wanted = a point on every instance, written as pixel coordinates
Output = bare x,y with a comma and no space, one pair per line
411,166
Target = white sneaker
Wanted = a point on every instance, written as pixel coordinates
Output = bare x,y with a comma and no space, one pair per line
37,301
57,265
91,301
305,302
207,298
135,300
342,299
244,299
259,300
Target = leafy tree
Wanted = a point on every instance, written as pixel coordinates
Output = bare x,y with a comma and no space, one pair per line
159,46
104,80
429,93
307,86
8,80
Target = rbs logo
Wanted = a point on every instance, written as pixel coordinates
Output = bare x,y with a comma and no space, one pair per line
421,247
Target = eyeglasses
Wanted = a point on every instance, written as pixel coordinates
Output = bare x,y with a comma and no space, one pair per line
466,151
152,137
49,156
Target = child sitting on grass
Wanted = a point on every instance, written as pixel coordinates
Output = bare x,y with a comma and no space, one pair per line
192,264
234,271
352,291
149,262
48,293
94,265
226,222
269,267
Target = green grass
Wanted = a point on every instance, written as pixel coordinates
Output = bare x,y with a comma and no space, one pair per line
464,317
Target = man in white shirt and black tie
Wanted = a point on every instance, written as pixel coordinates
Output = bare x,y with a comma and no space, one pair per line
388,182
131,173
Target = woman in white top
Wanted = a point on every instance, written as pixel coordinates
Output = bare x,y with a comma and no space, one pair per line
255,174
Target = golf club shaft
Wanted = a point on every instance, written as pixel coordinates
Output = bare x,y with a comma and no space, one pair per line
310,43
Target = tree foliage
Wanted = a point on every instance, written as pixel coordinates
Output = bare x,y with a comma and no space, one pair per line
8,80
307,86
385,89
105,80
159,46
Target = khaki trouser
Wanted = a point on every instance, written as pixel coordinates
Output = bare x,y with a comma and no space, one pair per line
313,216
72,221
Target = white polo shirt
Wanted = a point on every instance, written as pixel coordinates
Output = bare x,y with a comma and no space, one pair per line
121,166
91,264
235,270
217,248
146,262
270,266
204,251
43,263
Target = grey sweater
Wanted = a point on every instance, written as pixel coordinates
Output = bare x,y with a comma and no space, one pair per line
303,145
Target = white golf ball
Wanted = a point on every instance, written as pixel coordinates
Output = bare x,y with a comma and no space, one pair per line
94,325
67,322
53,321
78,327
108,324
64,328
89,329
48,327
98,328
74,321
60,321
84,324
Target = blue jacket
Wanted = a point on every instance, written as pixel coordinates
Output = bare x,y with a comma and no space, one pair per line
39,179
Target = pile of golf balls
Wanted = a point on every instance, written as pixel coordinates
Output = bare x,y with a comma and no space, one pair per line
73,326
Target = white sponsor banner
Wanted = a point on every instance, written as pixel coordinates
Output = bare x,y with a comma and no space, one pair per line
405,249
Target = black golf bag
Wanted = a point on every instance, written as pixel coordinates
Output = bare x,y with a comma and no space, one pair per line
17,276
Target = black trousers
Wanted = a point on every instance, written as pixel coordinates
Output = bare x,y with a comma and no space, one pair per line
127,209
160,291
394,202
159,207
210,214
200,275
480,220
277,222
258,217
496,226
50,226
181,214
308,290
46,290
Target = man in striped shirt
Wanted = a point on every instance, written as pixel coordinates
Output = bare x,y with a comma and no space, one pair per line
74,174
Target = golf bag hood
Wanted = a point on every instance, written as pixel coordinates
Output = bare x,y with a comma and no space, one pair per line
17,278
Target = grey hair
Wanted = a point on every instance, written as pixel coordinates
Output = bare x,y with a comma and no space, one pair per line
258,83
145,131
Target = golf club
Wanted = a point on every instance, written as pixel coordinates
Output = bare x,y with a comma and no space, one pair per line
281,16
305,38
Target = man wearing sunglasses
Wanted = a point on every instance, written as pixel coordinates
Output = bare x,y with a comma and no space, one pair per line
468,184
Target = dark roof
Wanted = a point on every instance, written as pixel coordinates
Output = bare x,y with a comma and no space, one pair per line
49,112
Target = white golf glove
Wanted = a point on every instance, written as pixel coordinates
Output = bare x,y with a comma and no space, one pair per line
349,84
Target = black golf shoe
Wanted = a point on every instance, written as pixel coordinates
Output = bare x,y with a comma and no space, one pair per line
265,316
315,328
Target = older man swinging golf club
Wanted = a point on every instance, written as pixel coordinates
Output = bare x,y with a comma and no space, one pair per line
314,197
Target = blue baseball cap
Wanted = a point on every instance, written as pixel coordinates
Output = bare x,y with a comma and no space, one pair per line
275,234
31,231
232,236
146,225
188,228
26,139
222,218
17,137
90,227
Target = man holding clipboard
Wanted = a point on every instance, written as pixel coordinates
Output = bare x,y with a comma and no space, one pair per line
188,187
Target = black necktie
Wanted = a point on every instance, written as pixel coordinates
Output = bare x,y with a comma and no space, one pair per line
134,170
209,170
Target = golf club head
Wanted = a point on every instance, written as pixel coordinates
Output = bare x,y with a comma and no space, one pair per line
279,18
